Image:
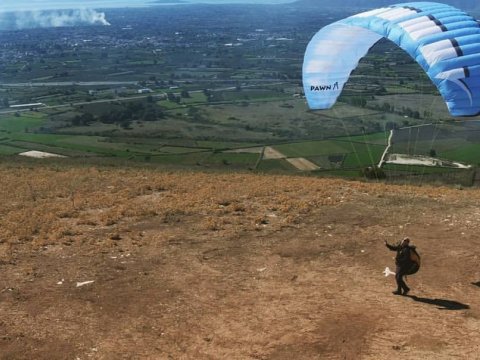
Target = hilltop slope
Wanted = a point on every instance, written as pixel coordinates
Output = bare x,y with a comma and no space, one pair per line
231,266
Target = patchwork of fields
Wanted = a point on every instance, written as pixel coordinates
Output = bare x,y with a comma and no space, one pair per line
344,156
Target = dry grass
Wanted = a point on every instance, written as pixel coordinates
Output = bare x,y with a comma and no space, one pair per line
192,265
43,206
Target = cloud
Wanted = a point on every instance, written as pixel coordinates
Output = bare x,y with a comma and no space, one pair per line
51,18
41,5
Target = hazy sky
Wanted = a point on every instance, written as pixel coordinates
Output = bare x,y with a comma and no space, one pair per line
11,5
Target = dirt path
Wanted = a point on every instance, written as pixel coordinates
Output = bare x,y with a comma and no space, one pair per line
200,266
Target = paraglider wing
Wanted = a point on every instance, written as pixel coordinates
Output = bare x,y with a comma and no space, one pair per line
444,40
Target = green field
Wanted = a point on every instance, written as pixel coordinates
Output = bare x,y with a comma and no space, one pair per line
10,150
455,141
196,133
343,153
469,153
313,148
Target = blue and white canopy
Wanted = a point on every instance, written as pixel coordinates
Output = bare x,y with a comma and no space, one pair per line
444,40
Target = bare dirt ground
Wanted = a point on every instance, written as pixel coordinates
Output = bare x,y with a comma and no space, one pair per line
231,266
251,150
303,164
271,153
39,154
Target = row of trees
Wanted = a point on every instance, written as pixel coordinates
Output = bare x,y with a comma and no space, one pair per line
122,115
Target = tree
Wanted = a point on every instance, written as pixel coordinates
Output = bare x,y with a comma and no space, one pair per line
373,172
171,97
150,115
391,125
381,90
386,107
83,120
125,124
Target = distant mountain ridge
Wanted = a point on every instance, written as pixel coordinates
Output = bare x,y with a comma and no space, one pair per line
461,4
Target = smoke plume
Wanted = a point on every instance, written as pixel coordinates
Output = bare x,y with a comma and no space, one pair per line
51,18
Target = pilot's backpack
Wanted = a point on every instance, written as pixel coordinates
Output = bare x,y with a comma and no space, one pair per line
415,260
